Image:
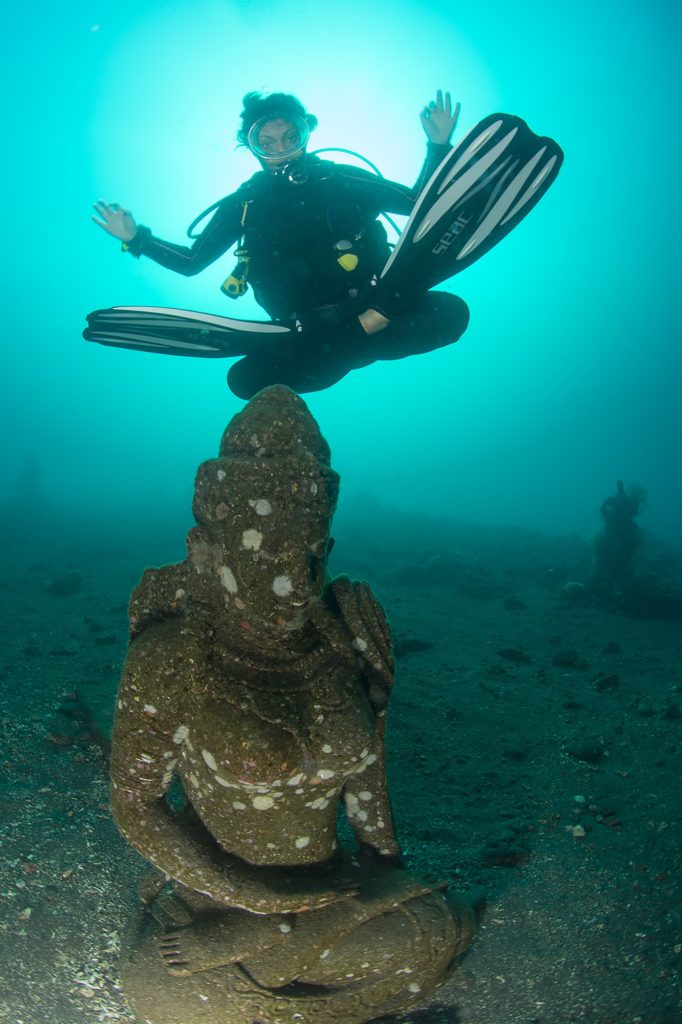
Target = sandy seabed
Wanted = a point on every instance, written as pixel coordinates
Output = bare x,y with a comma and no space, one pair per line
534,763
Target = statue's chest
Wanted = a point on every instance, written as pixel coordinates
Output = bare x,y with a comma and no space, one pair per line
261,735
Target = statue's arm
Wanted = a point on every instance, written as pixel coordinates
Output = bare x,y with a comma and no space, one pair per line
355,625
147,738
148,732
368,806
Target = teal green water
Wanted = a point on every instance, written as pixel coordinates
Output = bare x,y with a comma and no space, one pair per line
569,375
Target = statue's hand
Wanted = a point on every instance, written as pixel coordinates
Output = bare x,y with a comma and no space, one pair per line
281,892
370,857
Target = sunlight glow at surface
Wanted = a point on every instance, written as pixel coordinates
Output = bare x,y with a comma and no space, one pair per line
564,380
186,125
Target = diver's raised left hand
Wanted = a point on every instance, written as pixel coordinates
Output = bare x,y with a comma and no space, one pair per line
439,119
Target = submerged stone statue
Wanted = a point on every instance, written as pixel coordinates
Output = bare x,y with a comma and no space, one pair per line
613,575
252,704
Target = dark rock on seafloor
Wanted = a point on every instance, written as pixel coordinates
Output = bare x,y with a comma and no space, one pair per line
604,684
514,654
410,645
64,585
589,752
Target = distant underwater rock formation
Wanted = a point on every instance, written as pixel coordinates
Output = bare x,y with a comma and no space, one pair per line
252,704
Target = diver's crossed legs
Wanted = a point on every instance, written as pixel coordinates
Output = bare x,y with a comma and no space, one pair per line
436,319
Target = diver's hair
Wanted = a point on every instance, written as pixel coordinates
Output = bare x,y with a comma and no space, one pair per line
277,104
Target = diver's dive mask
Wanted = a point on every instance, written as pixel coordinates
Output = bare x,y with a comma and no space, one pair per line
278,138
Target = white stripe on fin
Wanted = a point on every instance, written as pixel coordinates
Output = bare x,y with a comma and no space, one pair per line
502,206
227,324
427,190
532,189
457,189
470,150
124,340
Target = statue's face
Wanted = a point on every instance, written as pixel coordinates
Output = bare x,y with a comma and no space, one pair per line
268,533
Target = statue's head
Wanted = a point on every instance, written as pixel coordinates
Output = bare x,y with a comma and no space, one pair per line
264,510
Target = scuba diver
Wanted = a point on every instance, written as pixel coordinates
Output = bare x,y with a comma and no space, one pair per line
310,245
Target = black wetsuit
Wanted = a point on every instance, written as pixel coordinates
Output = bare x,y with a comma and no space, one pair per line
314,247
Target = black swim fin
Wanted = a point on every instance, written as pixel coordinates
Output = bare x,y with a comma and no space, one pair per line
482,189
180,332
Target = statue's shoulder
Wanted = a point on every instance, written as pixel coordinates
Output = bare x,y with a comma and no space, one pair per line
353,621
164,652
159,596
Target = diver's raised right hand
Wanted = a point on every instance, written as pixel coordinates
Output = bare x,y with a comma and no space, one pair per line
113,218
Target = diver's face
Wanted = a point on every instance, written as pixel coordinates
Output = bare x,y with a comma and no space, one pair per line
278,141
